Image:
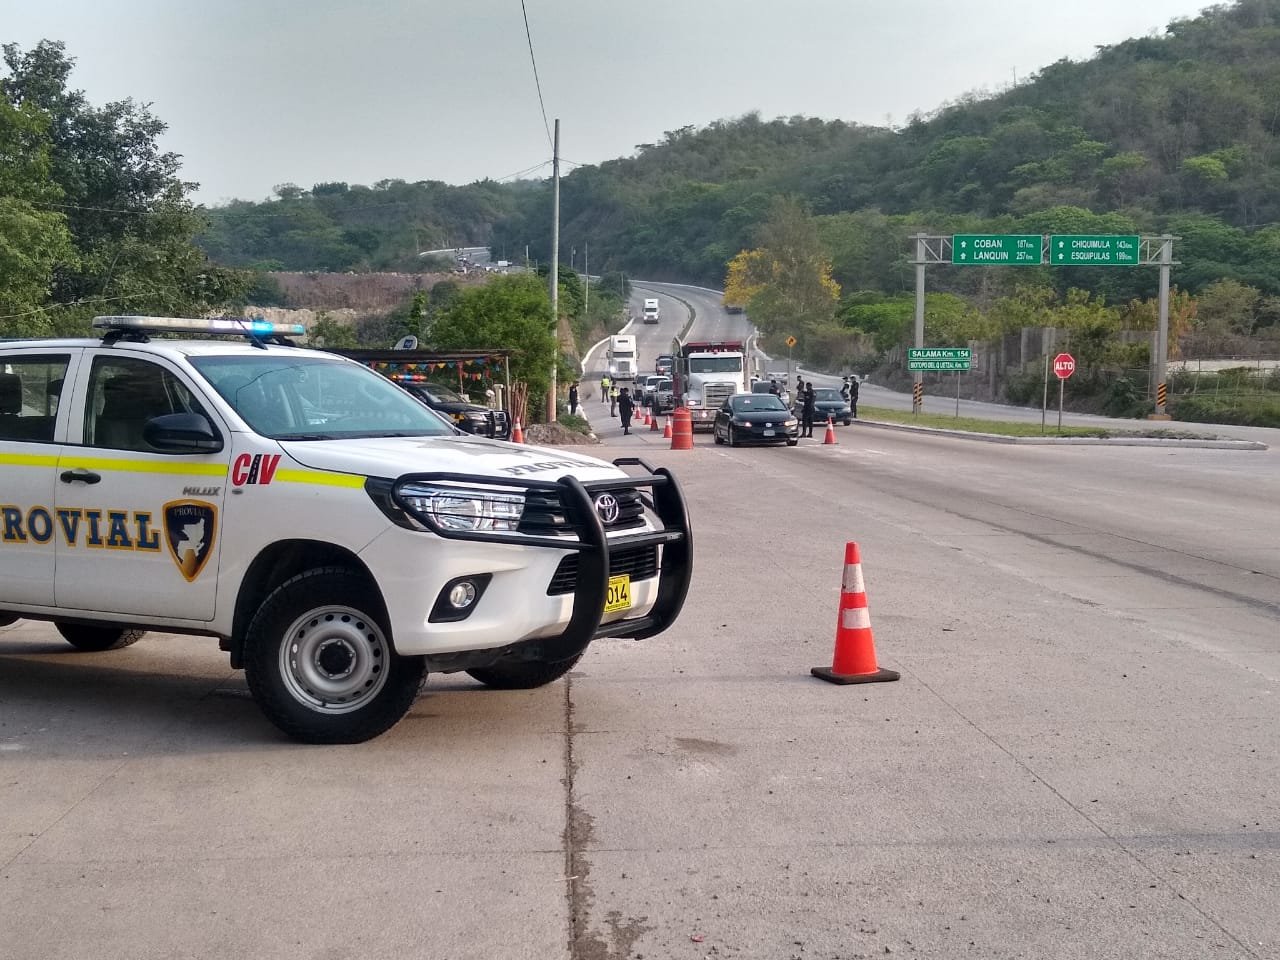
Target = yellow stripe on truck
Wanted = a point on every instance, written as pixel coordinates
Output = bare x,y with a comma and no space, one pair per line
319,478
145,466
28,460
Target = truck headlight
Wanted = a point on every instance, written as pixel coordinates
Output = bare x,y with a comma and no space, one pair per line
463,509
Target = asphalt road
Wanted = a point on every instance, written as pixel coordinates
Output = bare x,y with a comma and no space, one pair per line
1080,760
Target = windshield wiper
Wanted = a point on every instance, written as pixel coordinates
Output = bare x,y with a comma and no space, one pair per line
304,436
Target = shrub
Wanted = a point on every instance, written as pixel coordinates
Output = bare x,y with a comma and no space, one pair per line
1258,410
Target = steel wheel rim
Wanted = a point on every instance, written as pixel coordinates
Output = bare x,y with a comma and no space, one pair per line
334,659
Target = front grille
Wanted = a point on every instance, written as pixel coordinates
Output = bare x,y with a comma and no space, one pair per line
545,515
714,394
640,563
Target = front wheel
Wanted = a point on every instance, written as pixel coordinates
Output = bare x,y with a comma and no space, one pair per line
523,675
732,437
320,664
792,443
96,639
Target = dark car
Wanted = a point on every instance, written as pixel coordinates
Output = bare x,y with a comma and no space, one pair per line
464,414
755,418
828,403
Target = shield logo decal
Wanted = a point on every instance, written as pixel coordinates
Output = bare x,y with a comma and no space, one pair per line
189,529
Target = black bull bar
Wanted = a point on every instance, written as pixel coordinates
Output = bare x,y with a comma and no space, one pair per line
659,492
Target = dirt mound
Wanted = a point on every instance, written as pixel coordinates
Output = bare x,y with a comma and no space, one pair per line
555,435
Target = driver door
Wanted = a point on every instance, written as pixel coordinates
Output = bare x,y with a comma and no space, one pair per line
138,529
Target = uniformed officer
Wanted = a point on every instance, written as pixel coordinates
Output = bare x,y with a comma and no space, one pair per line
605,384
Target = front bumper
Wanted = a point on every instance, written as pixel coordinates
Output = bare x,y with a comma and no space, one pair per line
703,418
519,612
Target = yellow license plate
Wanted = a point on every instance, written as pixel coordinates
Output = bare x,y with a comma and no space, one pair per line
618,596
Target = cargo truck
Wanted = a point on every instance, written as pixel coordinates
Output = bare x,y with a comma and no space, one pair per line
622,357
706,373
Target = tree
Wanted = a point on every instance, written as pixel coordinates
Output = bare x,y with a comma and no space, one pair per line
33,238
130,221
1227,306
330,334
788,275
513,312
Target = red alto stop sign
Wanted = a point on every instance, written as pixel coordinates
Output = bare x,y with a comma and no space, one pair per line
1064,365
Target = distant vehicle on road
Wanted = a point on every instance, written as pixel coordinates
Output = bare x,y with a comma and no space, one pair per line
664,364
664,398
647,386
650,312
829,403
622,357
764,386
755,418
465,415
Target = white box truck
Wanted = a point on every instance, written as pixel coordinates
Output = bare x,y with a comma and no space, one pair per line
650,313
622,357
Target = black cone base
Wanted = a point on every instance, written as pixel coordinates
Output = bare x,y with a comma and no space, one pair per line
880,676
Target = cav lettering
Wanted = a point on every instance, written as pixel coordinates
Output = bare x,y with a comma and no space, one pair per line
109,529
257,468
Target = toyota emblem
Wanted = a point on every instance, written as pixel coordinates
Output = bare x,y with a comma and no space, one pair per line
607,507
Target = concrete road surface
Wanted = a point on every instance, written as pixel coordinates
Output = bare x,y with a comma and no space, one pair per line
1080,760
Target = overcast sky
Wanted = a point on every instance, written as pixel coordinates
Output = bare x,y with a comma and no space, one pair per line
261,92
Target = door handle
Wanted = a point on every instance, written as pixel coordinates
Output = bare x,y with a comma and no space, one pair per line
79,476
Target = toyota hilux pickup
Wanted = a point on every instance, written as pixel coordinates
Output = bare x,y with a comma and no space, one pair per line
338,537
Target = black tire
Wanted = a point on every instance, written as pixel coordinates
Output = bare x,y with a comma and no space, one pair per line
715,435
524,675
319,660
848,423
96,639
732,436
792,443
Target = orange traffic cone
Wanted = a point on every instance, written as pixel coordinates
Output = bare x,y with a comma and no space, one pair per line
666,431
653,424
855,656
517,435
831,432
647,419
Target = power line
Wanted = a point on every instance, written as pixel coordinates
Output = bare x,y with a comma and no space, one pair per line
537,83
74,303
524,172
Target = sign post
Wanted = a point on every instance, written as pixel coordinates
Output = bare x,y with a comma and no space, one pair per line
1064,365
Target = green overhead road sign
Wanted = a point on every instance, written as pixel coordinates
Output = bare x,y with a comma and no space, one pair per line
939,358
1082,250
995,249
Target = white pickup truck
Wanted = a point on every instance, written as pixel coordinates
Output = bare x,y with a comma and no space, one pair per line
337,536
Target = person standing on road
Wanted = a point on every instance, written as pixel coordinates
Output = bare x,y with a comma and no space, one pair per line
605,384
613,400
844,390
573,397
853,396
774,389
625,408
809,406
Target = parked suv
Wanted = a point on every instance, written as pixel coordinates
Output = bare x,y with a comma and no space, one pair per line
337,537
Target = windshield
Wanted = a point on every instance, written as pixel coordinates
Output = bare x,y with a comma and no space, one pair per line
314,398
757,403
438,394
826,394
715,364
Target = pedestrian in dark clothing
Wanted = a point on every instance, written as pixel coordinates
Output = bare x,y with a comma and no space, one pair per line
625,407
808,407
853,396
573,397
774,389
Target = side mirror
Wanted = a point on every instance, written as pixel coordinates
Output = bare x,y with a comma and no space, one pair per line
182,433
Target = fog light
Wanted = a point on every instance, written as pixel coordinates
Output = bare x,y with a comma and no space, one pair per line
462,595
459,598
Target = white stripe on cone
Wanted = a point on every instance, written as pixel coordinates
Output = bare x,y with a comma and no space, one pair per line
855,618
853,582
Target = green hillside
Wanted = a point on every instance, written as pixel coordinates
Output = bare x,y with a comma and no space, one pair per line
1179,132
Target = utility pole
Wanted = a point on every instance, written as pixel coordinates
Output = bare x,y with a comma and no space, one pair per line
555,269
586,277
917,392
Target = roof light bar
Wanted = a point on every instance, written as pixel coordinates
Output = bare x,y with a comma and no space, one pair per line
240,327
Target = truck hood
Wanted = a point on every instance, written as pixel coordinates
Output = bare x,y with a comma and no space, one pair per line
394,456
